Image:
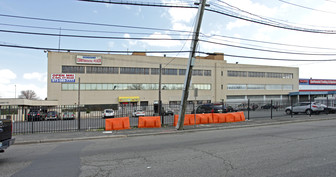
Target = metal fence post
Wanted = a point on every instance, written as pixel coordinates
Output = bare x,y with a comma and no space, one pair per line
310,106
248,109
291,108
271,109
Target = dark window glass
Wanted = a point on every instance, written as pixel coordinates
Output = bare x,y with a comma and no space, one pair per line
73,69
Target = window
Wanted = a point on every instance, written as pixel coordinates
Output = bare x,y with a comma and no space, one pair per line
167,71
274,75
255,87
104,70
274,87
131,70
197,72
155,71
182,71
235,97
255,97
287,87
73,69
236,87
256,74
208,73
287,76
237,73
202,86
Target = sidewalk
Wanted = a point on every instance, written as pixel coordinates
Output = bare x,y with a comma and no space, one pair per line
87,135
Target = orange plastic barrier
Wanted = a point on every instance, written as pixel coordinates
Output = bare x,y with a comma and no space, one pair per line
189,119
212,118
117,124
204,118
149,122
239,116
230,117
218,118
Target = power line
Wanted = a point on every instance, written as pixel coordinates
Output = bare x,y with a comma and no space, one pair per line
267,42
186,39
264,50
90,51
297,5
274,20
230,14
152,4
89,23
84,36
107,51
81,30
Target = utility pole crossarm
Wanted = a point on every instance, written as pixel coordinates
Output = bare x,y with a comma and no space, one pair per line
187,80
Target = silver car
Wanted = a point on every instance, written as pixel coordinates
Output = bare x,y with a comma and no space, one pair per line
305,107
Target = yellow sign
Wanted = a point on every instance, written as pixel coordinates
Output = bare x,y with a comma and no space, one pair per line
129,99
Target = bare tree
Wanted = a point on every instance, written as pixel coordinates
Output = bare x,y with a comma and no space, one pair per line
28,94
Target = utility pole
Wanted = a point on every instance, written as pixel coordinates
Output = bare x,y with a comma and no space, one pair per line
191,61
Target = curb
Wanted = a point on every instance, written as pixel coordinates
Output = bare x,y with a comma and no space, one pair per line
167,132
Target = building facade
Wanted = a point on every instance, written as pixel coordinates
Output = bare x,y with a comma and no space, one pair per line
134,79
321,90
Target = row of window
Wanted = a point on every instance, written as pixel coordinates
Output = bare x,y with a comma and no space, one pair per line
131,70
259,74
254,97
94,86
260,87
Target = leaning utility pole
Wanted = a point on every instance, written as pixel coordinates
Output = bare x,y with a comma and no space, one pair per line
191,61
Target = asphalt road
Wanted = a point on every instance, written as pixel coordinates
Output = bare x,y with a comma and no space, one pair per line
297,149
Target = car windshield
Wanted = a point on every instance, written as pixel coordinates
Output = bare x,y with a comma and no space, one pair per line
109,111
51,113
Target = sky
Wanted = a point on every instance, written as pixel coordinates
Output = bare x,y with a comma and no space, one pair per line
26,69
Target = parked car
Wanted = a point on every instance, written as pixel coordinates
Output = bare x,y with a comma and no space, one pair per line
6,139
329,109
68,115
210,108
36,115
168,112
138,113
53,115
269,106
305,107
108,113
231,109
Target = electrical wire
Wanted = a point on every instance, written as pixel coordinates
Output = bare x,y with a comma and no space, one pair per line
304,7
107,51
89,23
81,30
84,36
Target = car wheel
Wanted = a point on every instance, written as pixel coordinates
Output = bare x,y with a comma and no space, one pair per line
308,112
288,111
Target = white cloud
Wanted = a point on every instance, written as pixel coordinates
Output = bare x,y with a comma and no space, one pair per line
249,6
181,27
6,76
237,24
35,75
161,43
181,15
